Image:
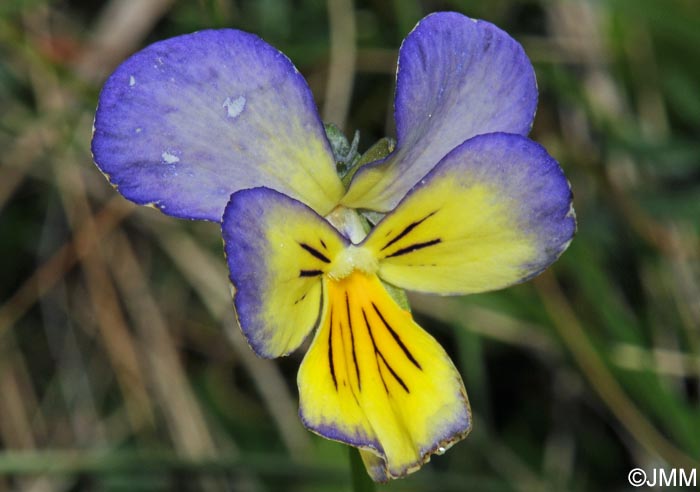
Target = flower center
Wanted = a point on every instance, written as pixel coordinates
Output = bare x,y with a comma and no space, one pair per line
350,259
348,223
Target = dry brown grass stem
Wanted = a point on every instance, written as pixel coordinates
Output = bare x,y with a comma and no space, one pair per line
168,377
341,67
485,322
207,276
85,238
121,27
118,342
601,379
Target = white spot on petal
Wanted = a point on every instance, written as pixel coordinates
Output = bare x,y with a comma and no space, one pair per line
169,158
234,107
138,130
132,81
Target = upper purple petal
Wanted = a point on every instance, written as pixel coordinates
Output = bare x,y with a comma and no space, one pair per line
187,121
457,78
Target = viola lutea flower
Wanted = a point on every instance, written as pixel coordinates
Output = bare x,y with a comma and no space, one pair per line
220,126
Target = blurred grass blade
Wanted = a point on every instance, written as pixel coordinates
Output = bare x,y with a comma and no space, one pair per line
359,477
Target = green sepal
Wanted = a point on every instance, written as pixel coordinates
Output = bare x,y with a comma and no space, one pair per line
372,216
345,153
379,150
398,295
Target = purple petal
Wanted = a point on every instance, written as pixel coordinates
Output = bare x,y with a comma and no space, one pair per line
457,78
187,121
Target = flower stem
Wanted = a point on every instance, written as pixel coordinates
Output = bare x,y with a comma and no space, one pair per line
360,480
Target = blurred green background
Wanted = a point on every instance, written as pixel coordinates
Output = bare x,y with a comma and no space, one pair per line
121,367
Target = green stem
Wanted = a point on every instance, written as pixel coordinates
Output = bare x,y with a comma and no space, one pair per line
360,479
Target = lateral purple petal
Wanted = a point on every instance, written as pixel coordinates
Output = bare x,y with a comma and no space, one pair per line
187,121
496,211
277,250
457,78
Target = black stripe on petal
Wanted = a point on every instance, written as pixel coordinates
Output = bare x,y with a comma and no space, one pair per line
315,253
408,229
414,247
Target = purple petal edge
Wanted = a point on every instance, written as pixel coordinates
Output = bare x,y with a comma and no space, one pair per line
457,78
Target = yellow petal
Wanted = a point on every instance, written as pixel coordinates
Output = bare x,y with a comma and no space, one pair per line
375,379
277,250
494,212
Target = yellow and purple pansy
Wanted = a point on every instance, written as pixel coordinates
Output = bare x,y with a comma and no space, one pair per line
218,125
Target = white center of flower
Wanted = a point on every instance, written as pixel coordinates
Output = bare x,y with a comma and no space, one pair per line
350,259
348,223
353,257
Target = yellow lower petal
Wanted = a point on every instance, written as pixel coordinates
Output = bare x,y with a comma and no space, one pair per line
375,379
